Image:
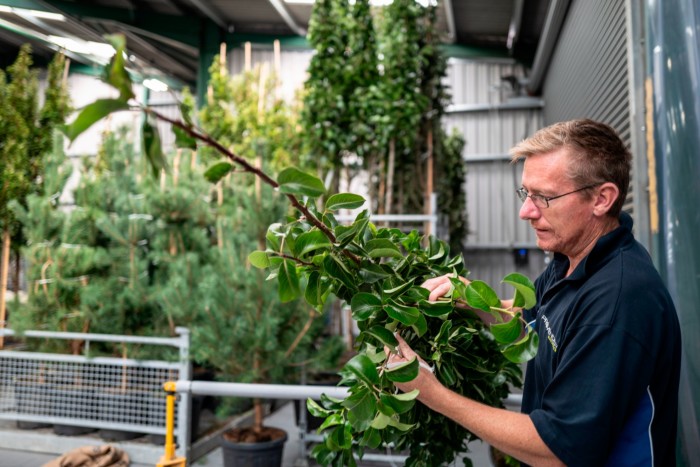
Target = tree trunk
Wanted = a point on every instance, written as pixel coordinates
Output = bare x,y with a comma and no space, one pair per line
5,264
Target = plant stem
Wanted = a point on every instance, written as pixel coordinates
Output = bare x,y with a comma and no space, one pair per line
206,139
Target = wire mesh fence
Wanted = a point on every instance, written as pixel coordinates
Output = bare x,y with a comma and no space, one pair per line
103,393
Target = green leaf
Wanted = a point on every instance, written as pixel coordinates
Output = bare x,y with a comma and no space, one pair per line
508,332
342,436
92,113
524,350
310,241
322,454
218,171
435,309
406,371
294,181
333,419
524,290
152,148
401,402
288,281
259,259
337,270
480,296
382,247
183,139
314,292
421,325
380,422
361,406
371,273
397,291
383,335
315,409
364,304
362,367
344,201
115,73
402,313
371,438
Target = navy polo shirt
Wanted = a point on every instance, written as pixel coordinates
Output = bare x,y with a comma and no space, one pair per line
603,388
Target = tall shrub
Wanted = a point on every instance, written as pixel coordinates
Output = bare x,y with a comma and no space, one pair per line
25,137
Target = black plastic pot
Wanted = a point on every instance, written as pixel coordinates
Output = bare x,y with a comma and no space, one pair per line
265,454
120,407
31,399
72,402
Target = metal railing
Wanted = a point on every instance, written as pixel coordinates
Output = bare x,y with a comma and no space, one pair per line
106,393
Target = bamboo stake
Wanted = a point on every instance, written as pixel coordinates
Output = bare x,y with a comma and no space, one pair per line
429,182
390,176
248,56
222,57
277,67
6,239
176,166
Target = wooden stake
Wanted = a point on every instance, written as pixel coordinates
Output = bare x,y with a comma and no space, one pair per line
222,57
6,239
248,56
429,183
66,67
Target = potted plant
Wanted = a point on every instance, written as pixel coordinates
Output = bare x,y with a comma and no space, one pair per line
378,271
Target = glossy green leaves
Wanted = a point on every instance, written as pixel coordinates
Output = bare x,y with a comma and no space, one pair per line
294,181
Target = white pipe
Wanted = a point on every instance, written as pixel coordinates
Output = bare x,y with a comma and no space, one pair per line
268,391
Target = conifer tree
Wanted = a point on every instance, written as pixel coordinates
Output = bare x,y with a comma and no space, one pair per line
25,137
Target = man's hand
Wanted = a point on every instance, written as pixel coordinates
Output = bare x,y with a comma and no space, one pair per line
425,379
440,286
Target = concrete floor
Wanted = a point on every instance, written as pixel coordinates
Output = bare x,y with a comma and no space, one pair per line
293,450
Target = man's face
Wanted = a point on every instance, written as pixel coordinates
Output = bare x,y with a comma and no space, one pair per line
563,226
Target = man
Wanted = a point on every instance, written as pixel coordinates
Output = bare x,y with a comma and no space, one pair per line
603,388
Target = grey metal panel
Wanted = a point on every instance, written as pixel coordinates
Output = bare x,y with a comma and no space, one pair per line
492,266
493,206
589,72
479,81
493,132
491,180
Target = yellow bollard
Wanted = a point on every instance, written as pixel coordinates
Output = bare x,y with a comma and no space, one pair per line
169,459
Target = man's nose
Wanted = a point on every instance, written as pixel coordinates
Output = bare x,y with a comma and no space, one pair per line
528,210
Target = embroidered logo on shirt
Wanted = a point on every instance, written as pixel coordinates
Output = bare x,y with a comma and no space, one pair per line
550,335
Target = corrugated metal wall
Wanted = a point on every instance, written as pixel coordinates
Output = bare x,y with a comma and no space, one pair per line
493,117
589,72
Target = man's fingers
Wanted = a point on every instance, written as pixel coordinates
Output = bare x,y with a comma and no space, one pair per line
440,291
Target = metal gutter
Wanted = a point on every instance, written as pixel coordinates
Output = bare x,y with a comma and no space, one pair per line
520,103
555,19
450,19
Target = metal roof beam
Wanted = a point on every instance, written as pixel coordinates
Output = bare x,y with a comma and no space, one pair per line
287,17
209,13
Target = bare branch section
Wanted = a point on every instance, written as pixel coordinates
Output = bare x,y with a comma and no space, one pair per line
209,141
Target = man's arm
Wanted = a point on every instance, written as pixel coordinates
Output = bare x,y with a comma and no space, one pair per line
510,432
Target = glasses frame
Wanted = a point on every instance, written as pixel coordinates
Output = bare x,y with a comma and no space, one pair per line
540,199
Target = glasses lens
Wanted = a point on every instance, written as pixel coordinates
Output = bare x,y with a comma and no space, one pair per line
522,194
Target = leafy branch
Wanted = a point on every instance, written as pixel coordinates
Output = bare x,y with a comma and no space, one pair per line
378,272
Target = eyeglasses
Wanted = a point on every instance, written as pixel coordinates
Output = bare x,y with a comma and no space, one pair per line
543,201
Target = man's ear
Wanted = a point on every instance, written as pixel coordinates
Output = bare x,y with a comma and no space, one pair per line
606,196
